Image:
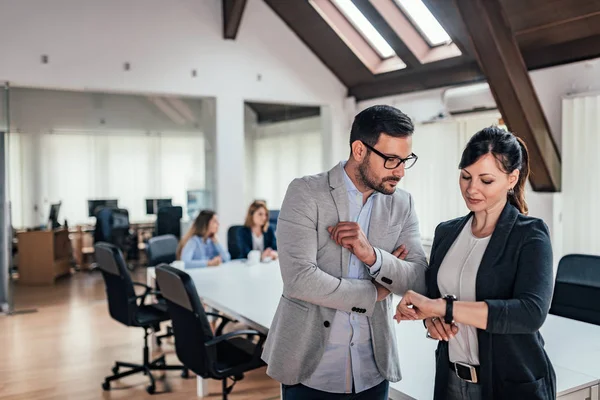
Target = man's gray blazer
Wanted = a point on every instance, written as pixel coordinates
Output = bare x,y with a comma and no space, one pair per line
312,267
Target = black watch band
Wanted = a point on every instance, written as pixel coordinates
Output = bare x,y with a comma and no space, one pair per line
449,317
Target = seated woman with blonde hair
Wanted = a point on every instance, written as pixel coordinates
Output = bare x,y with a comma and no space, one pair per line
200,246
256,234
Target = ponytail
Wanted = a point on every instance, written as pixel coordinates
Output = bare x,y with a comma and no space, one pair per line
517,198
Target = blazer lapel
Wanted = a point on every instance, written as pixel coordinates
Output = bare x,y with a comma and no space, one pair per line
496,246
340,199
380,217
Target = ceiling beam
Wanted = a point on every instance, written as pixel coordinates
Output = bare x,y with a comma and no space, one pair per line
387,32
501,61
420,79
232,17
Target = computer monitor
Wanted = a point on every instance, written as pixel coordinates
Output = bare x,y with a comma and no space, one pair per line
53,217
94,205
152,205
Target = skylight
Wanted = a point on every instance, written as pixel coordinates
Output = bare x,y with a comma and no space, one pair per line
362,24
425,21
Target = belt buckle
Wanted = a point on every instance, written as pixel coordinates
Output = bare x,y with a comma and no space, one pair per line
472,370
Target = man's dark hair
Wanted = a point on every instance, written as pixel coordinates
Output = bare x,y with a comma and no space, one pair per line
375,120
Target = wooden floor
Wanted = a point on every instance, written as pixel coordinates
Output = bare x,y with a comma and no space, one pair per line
66,348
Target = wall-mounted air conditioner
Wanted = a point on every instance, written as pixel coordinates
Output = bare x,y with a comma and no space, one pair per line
466,99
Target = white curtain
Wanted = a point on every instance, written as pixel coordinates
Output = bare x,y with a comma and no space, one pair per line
433,181
281,155
580,170
75,167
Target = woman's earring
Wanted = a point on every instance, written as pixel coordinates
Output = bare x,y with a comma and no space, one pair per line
511,192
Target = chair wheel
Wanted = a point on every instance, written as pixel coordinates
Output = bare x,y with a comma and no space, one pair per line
115,370
185,374
105,385
151,389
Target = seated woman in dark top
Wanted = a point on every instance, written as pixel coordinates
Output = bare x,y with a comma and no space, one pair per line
257,234
489,282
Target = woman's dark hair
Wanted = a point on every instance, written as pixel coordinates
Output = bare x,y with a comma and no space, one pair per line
511,153
198,228
370,123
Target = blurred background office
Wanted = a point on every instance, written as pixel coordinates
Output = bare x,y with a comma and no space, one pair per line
120,121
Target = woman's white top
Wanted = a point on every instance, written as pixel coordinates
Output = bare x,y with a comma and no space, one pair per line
457,276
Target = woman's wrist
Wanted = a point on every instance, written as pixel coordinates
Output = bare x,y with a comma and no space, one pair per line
440,308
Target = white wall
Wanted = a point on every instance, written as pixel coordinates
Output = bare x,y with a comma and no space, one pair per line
88,41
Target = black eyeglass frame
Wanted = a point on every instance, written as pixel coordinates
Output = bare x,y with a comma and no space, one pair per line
412,156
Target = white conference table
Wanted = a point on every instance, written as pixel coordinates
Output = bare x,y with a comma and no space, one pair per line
251,295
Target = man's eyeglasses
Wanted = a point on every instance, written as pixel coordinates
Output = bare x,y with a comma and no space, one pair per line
394,162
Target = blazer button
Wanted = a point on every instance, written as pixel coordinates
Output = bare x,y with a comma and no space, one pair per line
326,324
386,280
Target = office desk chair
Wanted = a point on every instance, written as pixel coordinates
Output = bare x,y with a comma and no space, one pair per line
162,249
112,226
215,356
168,221
577,288
129,309
232,242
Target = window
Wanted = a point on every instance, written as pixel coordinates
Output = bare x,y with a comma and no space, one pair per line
362,24
357,32
424,20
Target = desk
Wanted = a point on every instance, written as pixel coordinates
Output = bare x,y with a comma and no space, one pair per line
251,294
43,256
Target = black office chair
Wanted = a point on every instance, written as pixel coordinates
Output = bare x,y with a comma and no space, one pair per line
129,309
232,242
168,221
577,288
273,217
161,249
112,226
210,356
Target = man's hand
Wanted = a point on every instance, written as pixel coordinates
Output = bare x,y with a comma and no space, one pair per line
401,252
382,292
350,236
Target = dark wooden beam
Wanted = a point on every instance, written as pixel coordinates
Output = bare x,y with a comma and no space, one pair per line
232,17
417,80
387,33
563,53
500,59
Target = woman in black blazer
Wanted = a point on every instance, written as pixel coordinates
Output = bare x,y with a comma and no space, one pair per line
256,234
497,262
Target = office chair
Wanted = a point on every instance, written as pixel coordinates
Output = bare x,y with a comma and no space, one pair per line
273,217
129,309
232,242
162,249
112,226
168,221
577,288
215,356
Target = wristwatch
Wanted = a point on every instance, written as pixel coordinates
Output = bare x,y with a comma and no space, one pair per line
449,317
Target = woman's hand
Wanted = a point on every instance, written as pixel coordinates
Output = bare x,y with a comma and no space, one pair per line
439,330
416,306
214,262
269,253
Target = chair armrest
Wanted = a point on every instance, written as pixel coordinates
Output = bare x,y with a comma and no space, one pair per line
142,285
230,335
224,321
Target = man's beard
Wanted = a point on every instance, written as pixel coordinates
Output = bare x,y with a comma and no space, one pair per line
371,183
